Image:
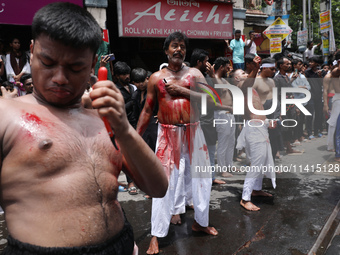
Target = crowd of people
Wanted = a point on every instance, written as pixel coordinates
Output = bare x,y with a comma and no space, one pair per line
67,195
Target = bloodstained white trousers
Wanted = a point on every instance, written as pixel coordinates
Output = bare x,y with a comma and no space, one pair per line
187,181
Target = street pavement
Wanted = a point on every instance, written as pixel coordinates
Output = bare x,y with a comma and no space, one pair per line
289,223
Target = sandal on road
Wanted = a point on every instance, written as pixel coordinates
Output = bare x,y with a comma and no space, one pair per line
132,191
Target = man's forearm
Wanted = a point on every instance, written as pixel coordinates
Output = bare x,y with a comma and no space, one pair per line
143,122
336,72
142,165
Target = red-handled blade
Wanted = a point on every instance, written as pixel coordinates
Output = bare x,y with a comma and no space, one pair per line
102,76
102,73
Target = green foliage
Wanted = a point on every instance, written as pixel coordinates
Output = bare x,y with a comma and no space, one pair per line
296,17
336,18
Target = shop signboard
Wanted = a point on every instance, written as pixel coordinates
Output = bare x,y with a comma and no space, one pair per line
302,37
154,18
275,45
278,29
21,12
325,44
325,21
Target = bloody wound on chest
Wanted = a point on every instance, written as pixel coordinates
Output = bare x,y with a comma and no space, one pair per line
32,118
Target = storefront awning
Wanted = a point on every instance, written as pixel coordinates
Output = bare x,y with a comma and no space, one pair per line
21,12
154,18
258,24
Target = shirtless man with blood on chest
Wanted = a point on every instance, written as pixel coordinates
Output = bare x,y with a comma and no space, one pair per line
180,145
59,169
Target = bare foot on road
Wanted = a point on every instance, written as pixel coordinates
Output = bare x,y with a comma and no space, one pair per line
209,230
153,247
294,152
217,181
176,219
249,206
260,193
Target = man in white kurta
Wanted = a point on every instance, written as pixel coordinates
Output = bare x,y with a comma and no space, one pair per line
183,153
254,138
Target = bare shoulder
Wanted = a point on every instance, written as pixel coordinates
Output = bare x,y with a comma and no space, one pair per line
258,81
271,82
156,77
8,111
195,72
7,105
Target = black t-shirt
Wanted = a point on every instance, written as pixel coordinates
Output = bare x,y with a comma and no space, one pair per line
127,95
316,84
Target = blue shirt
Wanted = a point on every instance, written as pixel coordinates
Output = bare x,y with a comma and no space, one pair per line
238,50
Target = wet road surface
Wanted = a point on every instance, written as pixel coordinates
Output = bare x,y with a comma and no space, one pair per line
288,223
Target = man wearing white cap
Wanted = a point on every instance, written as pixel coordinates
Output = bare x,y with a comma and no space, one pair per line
255,139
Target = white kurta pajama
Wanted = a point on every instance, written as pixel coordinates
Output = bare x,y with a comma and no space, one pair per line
332,121
256,142
176,147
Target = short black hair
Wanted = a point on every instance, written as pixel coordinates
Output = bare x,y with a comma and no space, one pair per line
280,62
221,61
148,74
249,57
120,68
278,56
8,84
251,31
268,61
198,55
173,36
237,31
25,77
295,61
317,59
138,75
69,24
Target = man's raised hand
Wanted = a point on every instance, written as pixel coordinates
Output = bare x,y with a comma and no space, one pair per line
9,94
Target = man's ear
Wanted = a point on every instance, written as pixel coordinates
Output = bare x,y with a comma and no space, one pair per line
198,63
31,51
